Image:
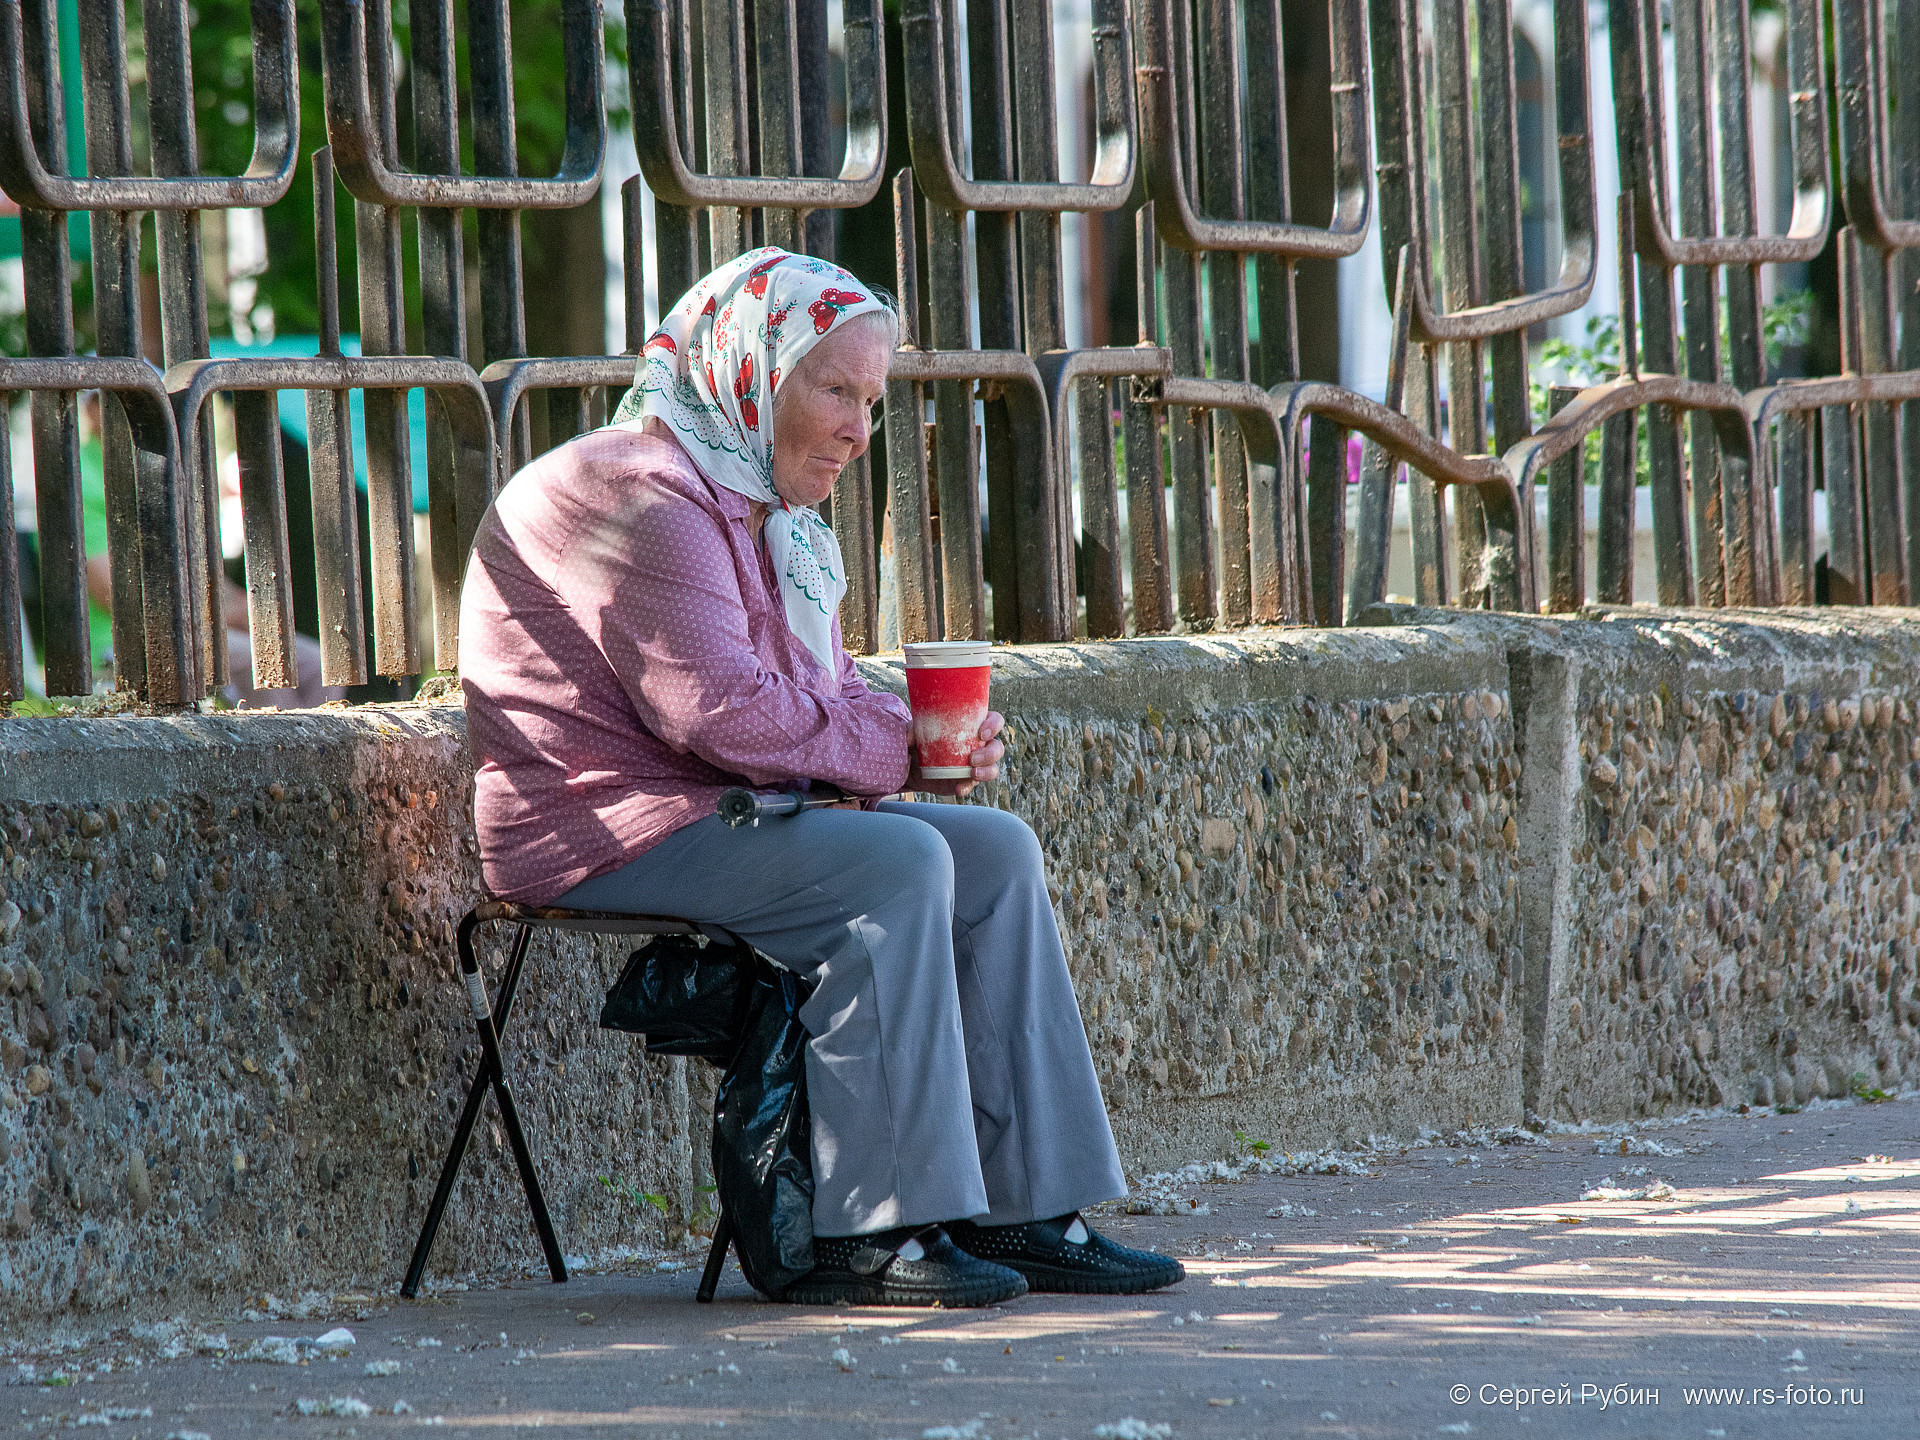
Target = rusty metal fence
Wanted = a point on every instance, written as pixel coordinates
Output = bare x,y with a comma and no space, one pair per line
1032,491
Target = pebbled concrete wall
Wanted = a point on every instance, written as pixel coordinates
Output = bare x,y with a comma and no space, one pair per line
1724,812
1447,870
1287,883
231,1052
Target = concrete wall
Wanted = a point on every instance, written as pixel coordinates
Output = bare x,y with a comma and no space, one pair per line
1721,820
1314,885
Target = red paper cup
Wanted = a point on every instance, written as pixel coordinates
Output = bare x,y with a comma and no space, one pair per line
947,692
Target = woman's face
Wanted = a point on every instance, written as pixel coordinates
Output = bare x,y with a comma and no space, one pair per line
823,412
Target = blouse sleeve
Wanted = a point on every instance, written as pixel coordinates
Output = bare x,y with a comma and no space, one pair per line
673,627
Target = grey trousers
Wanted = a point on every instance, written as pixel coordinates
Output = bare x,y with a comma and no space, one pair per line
948,1072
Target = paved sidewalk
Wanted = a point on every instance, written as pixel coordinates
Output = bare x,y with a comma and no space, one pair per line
1782,1268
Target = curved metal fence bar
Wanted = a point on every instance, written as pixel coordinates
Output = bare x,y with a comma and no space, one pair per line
354,127
569,381
1750,578
1177,209
1879,270
1717,231
1392,439
164,622
932,128
1403,198
1279,577
1794,397
31,178
1800,458
1213,97
1509,514
1471,210
455,501
1806,233
1034,578
1860,62
1060,371
1016,197
1483,297
1005,505
360,90
657,58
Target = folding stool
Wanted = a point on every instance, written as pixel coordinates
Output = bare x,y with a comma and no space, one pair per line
490,1021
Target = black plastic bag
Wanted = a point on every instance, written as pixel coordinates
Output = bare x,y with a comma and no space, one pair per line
686,998
726,1005
762,1136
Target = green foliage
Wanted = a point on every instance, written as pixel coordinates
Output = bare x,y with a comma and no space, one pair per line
1249,1146
33,707
1785,321
1859,1087
635,1197
1582,364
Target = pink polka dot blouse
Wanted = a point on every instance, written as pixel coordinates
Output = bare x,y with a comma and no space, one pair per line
625,656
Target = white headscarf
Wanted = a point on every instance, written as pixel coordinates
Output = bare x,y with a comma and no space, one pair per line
710,373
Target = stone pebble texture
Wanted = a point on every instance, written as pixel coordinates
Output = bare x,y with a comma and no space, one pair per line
1736,864
1315,886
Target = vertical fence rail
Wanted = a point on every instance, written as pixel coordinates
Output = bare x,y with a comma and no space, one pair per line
1011,511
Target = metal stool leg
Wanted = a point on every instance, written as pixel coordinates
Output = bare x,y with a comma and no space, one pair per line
716,1258
449,1168
491,1074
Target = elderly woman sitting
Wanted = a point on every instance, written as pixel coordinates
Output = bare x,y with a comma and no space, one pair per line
648,619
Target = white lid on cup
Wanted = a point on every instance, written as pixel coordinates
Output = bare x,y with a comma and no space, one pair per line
947,654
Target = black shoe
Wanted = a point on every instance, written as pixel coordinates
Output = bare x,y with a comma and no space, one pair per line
869,1270
1051,1263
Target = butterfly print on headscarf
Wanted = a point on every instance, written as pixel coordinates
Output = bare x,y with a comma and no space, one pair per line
756,285
745,391
828,307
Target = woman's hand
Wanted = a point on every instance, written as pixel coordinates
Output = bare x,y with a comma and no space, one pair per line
985,761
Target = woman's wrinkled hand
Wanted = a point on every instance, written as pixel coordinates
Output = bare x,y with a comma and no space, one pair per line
985,761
